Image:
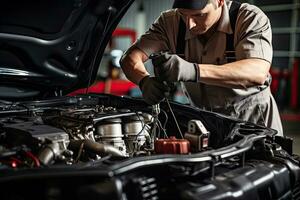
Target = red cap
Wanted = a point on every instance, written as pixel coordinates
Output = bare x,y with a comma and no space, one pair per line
172,146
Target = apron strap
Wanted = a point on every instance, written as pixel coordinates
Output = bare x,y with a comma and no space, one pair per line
180,44
230,50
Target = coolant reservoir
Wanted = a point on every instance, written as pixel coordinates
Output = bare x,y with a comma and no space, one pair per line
172,146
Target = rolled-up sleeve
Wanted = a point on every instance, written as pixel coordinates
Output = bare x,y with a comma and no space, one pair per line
156,38
254,35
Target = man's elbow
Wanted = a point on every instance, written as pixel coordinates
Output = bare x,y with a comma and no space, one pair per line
259,79
261,74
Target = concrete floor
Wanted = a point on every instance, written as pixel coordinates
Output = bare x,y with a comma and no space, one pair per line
292,129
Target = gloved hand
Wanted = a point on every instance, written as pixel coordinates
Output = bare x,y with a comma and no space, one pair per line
172,68
153,90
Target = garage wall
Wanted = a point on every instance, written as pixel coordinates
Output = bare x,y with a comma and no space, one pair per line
152,9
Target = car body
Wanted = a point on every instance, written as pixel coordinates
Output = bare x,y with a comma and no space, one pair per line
101,146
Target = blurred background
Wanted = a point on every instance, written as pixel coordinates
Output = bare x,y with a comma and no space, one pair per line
285,21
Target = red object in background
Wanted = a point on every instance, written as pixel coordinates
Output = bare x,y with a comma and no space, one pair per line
290,117
117,87
294,86
276,76
126,32
172,146
112,86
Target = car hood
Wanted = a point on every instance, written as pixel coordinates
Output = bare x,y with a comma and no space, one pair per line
52,47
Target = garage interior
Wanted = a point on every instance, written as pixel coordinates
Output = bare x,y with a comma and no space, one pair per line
102,146
285,22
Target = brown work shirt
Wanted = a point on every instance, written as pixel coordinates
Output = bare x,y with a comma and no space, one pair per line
252,39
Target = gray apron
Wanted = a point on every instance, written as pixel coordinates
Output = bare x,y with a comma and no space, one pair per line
259,108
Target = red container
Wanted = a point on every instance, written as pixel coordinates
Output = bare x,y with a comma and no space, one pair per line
172,146
295,86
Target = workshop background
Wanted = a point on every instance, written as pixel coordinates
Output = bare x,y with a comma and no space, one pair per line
285,21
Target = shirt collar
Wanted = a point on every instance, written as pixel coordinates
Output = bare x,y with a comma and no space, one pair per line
223,26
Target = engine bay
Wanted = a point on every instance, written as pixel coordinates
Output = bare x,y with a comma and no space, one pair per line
80,146
35,136
73,134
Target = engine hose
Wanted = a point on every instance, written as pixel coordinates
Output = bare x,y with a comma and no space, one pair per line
48,154
95,147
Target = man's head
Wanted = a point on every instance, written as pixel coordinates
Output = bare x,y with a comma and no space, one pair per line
200,15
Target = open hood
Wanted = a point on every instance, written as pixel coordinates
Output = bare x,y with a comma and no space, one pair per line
52,47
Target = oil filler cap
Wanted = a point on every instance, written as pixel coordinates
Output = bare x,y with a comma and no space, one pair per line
172,146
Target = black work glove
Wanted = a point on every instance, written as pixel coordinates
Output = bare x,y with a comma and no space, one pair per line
172,68
153,90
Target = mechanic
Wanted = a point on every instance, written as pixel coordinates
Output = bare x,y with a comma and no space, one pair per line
220,50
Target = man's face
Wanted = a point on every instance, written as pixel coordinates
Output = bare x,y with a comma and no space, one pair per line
200,21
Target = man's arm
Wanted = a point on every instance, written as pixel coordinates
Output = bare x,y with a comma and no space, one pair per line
153,90
239,74
132,63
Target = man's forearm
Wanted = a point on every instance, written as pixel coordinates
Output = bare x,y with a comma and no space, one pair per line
240,74
132,64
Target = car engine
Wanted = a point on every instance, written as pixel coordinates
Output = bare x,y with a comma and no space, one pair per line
109,147
70,135
73,134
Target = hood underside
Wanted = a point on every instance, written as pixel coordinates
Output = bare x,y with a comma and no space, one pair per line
53,46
